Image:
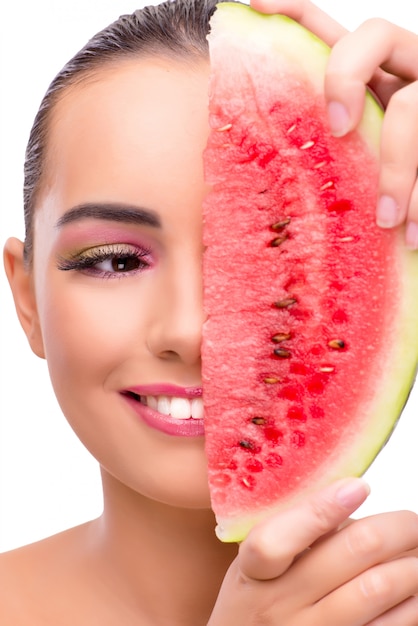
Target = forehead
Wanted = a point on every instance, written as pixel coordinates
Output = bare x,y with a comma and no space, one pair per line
130,123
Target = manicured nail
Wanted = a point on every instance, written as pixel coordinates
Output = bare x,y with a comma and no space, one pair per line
352,493
339,119
412,236
387,212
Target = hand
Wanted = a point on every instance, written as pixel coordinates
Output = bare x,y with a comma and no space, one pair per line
385,57
295,569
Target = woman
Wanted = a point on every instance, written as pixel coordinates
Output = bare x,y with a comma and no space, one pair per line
107,287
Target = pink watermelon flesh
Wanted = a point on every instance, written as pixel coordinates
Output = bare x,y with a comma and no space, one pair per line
303,292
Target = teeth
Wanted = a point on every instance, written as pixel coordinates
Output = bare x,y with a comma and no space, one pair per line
197,408
152,402
163,405
178,408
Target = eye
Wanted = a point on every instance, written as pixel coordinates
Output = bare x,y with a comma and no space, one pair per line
108,261
119,263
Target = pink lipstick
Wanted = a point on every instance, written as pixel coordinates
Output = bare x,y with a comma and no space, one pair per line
170,409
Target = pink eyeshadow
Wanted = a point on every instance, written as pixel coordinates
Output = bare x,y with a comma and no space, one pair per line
83,235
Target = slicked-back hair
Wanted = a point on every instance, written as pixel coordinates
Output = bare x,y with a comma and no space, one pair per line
175,29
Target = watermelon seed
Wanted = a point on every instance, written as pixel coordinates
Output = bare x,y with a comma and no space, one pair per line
319,165
221,480
278,241
291,129
327,185
282,353
248,482
247,445
336,344
271,380
327,369
285,303
224,128
279,337
259,421
307,145
345,239
281,224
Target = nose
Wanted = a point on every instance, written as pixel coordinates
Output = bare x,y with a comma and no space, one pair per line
175,332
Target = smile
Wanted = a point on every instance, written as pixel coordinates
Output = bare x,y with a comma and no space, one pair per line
169,409
175,407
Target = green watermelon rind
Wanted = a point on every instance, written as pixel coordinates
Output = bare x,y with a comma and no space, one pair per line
234,24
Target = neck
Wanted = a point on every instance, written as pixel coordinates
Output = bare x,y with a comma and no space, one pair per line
166,561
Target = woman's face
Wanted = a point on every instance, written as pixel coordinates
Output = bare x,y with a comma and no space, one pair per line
117,272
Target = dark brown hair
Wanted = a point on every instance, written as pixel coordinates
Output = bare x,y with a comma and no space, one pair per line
173,28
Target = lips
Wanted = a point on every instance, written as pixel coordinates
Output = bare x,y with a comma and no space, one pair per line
169,409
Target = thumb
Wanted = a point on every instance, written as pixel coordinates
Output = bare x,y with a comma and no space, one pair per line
272,545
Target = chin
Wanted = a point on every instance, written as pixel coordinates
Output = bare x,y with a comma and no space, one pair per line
177,480
188,492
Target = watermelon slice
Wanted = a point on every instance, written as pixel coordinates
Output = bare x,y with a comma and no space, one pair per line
310,344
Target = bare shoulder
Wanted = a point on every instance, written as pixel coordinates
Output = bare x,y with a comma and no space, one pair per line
37,580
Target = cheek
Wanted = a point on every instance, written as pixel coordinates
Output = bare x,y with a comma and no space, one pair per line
88,335
89,330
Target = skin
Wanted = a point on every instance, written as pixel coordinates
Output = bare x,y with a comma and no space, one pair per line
100,334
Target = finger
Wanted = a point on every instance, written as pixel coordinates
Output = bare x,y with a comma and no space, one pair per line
405,614
399,158
273,544
353,62
412,226
373,593
307,14
361,545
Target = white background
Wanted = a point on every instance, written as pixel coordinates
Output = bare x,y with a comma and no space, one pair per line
48,481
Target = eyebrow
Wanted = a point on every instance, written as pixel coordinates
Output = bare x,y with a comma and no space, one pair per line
114,212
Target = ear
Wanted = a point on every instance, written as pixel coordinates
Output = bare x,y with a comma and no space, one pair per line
21,283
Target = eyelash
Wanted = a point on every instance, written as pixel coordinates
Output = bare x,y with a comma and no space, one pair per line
87,261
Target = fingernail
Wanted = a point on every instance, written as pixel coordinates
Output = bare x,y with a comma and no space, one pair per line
412,236
338,118
387,212
352,493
